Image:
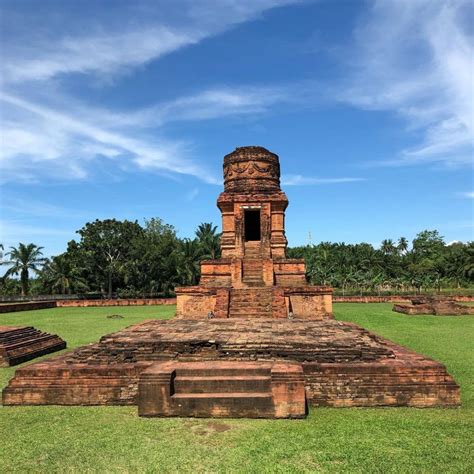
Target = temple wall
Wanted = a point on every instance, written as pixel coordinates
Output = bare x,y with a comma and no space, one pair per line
195,302
407,380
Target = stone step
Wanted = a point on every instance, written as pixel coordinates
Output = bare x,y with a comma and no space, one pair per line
250,304
222,369
252,315
251,308
244,299
228,405
222,384
219,388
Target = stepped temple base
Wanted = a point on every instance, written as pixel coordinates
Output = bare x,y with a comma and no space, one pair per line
303,302
342,365
22,343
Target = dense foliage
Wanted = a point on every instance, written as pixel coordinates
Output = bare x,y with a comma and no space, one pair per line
126,259
429,264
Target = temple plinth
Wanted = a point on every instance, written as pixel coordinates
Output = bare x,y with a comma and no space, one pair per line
253,278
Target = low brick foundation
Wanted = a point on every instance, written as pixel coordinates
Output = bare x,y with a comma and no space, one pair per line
343,364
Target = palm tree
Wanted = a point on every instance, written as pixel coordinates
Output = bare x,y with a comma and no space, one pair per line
190,257
387,246
209,239
60,275
23,259
402,245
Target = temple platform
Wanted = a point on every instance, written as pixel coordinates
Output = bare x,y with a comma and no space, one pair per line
22,343
341,363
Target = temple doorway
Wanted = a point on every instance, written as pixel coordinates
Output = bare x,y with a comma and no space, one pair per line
252,225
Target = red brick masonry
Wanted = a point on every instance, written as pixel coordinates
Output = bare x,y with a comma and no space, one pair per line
343,364
28,306
19,344
34,305
222,389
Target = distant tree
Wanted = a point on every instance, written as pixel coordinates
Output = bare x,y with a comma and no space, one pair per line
23,259
153,266
60,274
107,245
428,244
388,247
402,245
191,254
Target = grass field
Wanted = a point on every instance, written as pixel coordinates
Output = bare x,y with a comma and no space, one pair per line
111,439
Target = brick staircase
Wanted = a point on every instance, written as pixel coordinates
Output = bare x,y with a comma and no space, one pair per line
252,249
19,344
252,272
251,303
222,389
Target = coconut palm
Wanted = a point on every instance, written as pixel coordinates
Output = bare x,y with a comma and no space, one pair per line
191,254
60,274
388,246
402,245
23,259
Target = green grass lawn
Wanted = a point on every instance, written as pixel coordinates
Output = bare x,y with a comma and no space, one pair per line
111,439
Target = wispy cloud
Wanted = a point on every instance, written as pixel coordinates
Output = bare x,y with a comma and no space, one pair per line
104,54
300,180
415,58
104,46
44,136
38,140
466,194
23,209
60,137
192,194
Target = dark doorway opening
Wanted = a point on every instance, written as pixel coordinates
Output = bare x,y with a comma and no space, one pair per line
252,225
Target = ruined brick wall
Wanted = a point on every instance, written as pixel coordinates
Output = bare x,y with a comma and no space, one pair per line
118,302
14,307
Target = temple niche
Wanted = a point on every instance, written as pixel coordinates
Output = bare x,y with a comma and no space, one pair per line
253,278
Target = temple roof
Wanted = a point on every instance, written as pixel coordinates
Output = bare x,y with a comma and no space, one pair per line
251,169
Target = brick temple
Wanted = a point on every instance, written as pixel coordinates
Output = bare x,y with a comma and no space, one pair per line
253,278
252,340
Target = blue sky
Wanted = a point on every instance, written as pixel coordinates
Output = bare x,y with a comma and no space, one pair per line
126,109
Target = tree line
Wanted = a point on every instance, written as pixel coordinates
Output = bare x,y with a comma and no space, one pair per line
125,259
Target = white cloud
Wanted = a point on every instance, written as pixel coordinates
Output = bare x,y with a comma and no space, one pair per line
300,180
415,58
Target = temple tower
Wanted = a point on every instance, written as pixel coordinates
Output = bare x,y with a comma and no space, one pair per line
252,205
253,278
